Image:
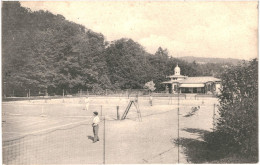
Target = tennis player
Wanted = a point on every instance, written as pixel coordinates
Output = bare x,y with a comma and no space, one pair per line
86,103
95,125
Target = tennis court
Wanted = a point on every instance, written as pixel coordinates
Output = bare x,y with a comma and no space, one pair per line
56,131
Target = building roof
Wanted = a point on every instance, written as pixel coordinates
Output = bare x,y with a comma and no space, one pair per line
192,85
198,80
193,80
176,76
170,81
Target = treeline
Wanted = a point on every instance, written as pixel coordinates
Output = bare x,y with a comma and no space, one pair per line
42,51
236,137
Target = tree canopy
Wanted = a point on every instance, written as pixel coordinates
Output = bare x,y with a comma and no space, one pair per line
239,108
42,51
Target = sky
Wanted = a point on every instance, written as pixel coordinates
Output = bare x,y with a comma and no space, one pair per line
226,29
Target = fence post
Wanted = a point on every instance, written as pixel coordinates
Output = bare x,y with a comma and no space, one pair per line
101,111
63,95
29,95
117,112
46,95
214,118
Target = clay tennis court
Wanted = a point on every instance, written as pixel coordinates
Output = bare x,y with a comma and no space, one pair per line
57,131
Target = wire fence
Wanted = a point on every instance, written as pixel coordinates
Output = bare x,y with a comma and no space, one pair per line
37,93
70,143
57,146
78,92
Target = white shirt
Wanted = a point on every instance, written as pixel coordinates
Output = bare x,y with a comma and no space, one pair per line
96,120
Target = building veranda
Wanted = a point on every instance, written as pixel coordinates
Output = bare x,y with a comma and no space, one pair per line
183,84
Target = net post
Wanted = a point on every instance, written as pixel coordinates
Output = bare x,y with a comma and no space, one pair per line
179,126
117,112
214,117
104,141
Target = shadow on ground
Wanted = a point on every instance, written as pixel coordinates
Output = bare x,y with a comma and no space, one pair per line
91,138
199,132
199,151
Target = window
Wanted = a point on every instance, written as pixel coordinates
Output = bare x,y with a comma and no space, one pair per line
199,90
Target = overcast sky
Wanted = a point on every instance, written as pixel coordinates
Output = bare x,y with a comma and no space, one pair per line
202,29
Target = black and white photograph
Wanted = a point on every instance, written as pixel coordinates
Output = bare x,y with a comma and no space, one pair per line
129,82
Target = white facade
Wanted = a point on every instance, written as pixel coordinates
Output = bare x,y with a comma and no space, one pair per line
184,84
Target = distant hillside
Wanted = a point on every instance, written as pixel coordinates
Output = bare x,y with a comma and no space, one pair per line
44,52
202,60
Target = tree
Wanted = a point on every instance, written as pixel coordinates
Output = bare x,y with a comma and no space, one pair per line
150,86
50,52
127,64
162,52
41,50
239,108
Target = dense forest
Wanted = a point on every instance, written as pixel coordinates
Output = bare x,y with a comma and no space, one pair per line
45,52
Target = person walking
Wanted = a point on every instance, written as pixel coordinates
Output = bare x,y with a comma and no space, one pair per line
136,98
151,100
86,103
95,125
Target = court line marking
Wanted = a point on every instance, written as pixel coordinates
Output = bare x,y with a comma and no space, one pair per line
13,114
45,124
45,130
55,127
53,123
12,133
88,116
8,122
35,123
19,119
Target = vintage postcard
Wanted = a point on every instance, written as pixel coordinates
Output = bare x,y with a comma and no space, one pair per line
129,82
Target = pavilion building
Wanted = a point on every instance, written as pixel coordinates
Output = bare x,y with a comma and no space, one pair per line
184,84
